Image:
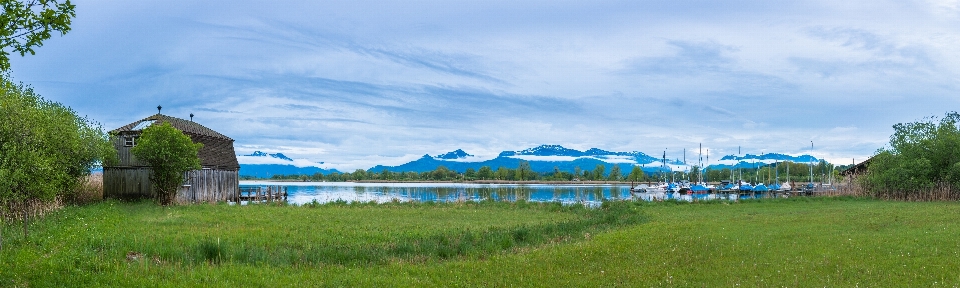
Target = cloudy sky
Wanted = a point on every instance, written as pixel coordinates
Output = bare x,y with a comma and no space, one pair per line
355,83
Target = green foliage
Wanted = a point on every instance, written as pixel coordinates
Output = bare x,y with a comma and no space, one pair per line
45,148
598,172
922,155
615,174
169,153
485,173
636,174
26,24
524,172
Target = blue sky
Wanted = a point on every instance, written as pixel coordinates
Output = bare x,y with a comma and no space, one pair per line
356,83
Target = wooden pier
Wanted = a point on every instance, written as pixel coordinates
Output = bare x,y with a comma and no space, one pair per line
262,194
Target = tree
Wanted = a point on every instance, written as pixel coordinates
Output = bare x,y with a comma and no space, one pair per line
485,173
359,175
614,173
598,172
523,170
922,155
636,174
170,154
502,173
45,148
26,24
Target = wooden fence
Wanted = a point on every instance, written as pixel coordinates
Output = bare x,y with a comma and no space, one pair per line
206,185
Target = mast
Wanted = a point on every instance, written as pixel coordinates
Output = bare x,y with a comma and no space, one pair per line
811,162
686,173
700,164
663,165
776,167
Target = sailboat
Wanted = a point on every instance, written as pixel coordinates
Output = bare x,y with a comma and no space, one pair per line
810,187
786,185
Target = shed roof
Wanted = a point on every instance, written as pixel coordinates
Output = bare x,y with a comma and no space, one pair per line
217,151
857,169
186,126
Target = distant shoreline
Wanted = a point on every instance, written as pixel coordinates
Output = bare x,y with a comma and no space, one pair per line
470,182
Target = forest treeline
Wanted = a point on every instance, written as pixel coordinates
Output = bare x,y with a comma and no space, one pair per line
799,172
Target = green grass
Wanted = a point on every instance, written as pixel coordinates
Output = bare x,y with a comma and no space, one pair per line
795,242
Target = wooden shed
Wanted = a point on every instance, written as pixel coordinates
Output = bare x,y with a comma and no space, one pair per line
218,180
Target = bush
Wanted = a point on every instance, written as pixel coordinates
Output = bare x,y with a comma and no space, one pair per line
46,150
923,156
170,153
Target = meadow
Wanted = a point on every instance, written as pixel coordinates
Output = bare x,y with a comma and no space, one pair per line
823,241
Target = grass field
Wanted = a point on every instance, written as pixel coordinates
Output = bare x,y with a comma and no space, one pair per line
795,242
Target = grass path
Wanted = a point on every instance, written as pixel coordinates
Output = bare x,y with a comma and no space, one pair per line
805,242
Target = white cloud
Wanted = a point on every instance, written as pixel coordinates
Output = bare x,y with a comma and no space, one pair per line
355,83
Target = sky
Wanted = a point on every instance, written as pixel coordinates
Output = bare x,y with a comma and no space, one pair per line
359,83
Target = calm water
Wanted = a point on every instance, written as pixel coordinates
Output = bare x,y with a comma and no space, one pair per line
306,192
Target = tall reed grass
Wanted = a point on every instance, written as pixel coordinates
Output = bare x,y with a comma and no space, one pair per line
939,192
90,190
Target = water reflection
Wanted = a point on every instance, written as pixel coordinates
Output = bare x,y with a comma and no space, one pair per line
306,192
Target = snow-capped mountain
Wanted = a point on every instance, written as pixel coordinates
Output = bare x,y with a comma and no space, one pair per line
555,153
262,164
544,158
454,155
274,155
753,161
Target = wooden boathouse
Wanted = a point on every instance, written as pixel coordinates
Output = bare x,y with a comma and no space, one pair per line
218,180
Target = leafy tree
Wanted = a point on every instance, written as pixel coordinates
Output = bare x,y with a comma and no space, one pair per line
523,170
502,173
470,174
170,154
636,174
45,148
614,173
922,155
26,24
576,171
359,175
598,172
485,173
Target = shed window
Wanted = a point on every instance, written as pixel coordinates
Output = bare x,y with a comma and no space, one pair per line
130,140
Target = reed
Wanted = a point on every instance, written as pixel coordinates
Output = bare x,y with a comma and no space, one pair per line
939,192
12,211
89,190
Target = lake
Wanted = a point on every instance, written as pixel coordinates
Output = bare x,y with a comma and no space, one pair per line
323,192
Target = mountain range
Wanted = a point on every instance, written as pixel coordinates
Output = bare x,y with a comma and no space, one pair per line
543,159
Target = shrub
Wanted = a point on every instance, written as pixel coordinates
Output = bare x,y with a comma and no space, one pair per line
923,156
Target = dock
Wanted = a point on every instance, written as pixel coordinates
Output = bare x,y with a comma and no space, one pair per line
262,194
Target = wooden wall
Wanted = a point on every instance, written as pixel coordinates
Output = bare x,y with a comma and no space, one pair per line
126,182
125,157
207,185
